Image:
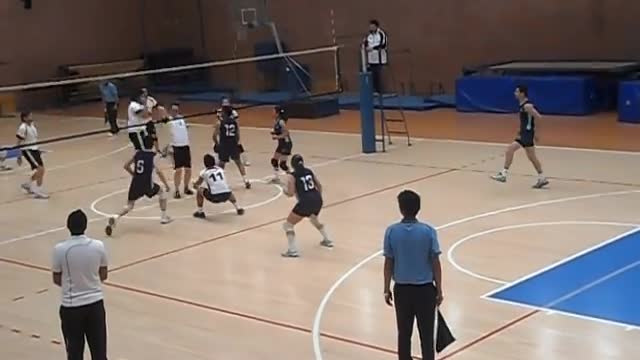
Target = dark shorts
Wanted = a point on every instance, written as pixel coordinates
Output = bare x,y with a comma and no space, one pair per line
137,139
216,198
308,207
136,191
34,158
526,140
181,157
229,151
284,148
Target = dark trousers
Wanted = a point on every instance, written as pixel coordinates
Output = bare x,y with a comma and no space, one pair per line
376,74
415,302
111,116
78,323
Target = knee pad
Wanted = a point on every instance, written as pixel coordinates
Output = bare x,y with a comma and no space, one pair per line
274,163
288,227
316,222
162,195
283,166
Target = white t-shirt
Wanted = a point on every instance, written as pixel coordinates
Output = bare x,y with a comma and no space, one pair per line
136,116
79,259
215,181
151,104
30,135
377,39
179,132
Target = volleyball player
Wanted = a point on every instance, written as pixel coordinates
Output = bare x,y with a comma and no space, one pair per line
227,108
137,113
526,139
28,134
226,138
181,151
216,189
282,135
141,168
304,184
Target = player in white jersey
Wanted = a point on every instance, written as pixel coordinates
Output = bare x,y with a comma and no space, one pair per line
137,113
212,185
181,150
28,134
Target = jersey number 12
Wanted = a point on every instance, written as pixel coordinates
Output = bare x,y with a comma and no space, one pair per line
308,183
230,130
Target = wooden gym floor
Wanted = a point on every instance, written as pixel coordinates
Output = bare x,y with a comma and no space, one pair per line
218,289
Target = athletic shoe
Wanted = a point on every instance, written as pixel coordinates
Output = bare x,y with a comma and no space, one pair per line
188,192
247,185
110,225
290,254
165,220
326,243
540,183
199,215
500,177
240,211
176,195
26,187
40,195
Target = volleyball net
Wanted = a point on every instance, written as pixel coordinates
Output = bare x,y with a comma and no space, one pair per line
269,79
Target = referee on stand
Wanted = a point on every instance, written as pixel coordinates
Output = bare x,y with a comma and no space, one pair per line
79,268
411,252
375,45
109,93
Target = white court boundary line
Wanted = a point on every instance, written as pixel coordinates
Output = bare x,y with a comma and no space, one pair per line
476,275
563,261
45,232
94,204
315,331
15,172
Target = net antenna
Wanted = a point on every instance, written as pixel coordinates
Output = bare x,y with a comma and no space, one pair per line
251,14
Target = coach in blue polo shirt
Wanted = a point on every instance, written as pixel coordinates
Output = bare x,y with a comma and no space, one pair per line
411,252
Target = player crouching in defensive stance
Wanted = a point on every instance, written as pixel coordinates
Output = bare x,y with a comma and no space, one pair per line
216,189
141,167
303,183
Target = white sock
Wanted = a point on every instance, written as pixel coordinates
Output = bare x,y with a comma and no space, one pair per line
541,176
200,209
324,234
504,172
33,186
291,238
244,178
163,213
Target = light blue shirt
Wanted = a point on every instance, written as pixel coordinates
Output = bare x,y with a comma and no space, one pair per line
109,92
413,246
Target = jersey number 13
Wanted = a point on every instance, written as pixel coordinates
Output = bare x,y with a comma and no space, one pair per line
308,183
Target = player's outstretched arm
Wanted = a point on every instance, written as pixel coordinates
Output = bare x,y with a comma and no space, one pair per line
290,188
216,132
128,166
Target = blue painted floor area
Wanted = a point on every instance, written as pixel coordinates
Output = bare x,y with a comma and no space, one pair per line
602,283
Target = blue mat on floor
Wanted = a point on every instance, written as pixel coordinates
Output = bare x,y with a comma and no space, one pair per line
416,103
271,97
444,100
207,96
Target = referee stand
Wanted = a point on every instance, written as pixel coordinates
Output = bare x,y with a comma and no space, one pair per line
392,121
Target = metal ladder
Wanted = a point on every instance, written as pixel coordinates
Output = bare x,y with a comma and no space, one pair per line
388,122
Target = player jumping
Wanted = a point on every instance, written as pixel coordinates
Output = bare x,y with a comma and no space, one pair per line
526,139
141,168
216,189
303,183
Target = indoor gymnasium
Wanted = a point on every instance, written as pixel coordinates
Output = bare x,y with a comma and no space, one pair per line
326,180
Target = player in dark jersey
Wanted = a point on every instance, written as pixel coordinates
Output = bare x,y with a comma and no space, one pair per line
141,167
304,184
226,138
526,139
285,145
